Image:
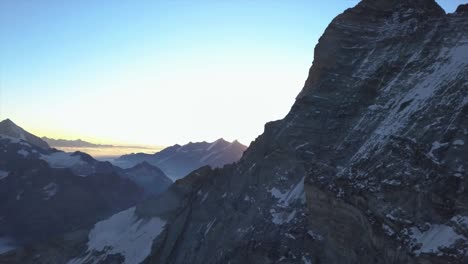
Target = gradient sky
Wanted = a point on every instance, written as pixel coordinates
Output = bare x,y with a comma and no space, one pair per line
157,72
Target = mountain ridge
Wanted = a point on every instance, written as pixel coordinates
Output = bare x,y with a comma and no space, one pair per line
178,160
74,143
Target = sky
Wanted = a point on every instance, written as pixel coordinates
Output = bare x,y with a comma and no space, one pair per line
157,72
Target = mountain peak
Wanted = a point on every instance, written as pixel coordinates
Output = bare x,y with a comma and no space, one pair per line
221,140
426,6
10,129
8,121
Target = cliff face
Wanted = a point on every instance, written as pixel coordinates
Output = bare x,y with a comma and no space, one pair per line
369,166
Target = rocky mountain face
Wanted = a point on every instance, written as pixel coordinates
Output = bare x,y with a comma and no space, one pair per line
177,161
46,193
369,166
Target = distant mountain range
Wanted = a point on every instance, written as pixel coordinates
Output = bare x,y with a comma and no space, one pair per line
57,143
177,161
78,143
102,152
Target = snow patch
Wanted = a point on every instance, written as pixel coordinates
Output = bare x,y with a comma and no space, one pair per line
301,146
204,197
280,218
388,230
6,244
432,240
212,145
461,220
50,190
123,233
295,193
208,227
375,107
3,174
314,235
425,86
392,182
459,142
435,146
306,260
19,195
62,160
23,153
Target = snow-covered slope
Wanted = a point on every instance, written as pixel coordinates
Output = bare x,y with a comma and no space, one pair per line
129,235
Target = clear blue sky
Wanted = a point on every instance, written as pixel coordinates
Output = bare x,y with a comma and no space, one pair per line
157,72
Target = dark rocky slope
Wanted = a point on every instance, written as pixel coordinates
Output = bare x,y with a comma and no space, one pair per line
369,166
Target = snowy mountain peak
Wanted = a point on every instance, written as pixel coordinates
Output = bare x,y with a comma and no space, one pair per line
9,129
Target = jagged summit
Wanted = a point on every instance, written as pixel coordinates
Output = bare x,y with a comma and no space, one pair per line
10,129
370,25
429,7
